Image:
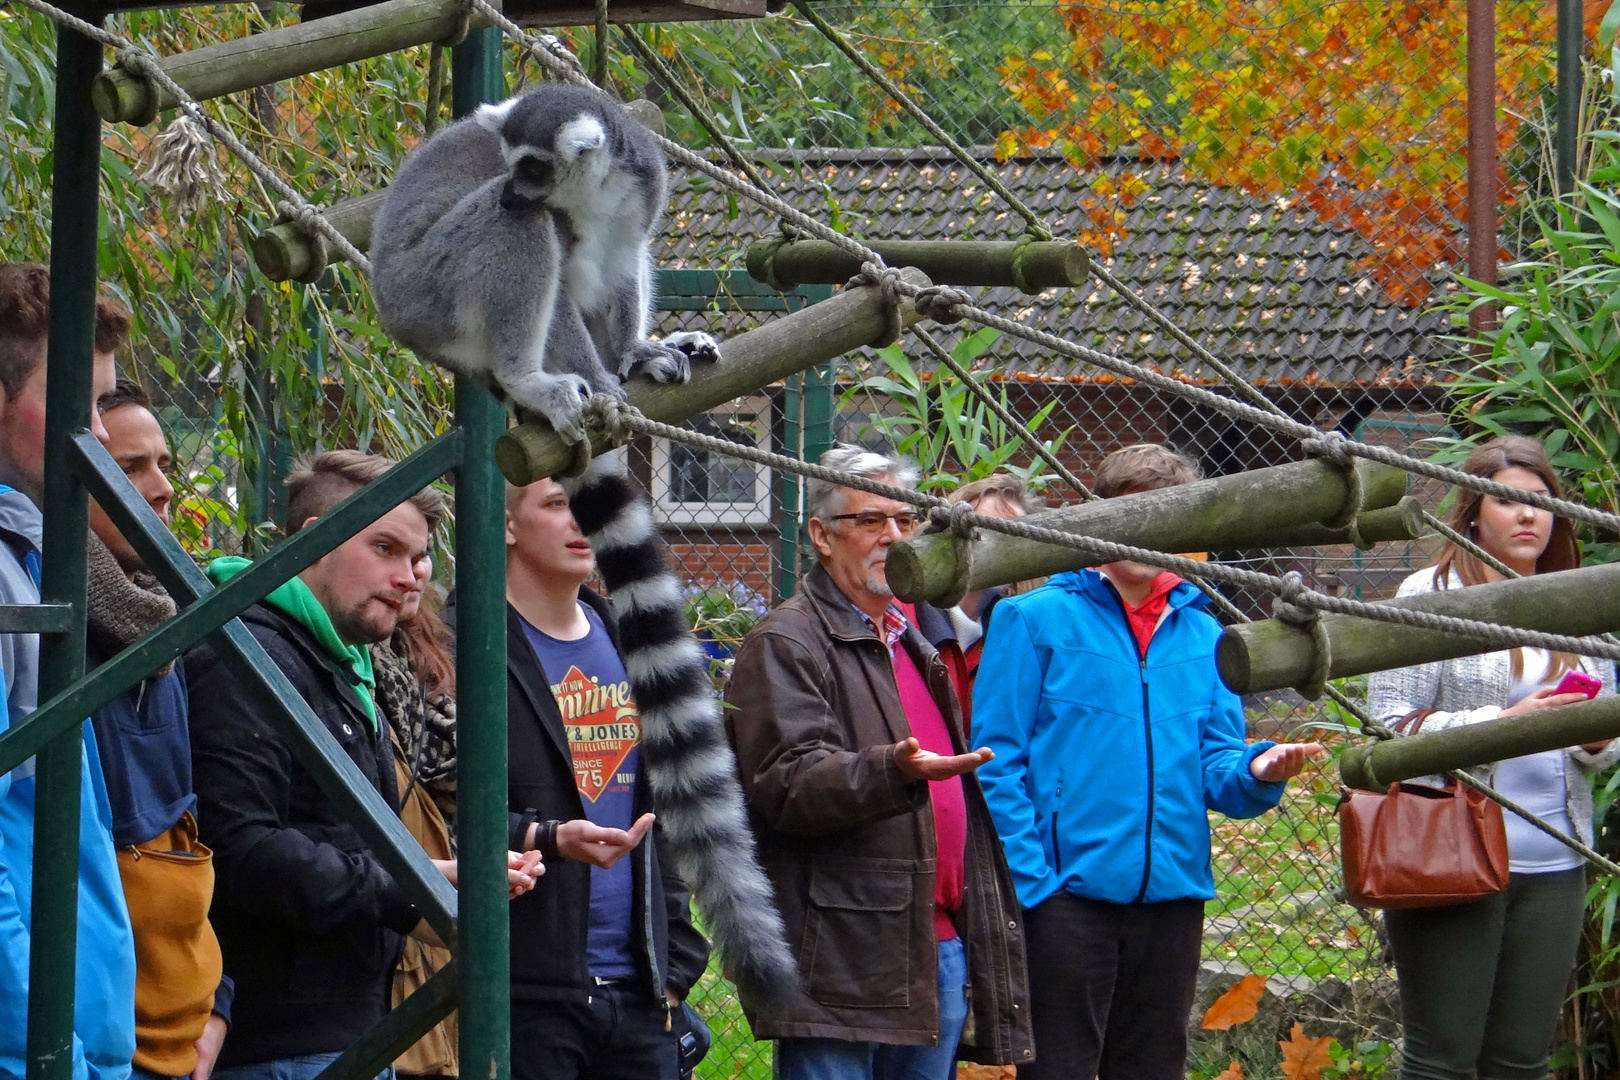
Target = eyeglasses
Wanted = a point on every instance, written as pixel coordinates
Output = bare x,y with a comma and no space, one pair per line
873,521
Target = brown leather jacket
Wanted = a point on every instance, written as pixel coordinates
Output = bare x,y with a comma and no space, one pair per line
814,715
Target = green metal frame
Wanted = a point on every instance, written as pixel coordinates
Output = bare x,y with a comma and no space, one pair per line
808,405
473,922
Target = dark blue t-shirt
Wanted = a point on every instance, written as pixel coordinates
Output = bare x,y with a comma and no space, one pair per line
604,735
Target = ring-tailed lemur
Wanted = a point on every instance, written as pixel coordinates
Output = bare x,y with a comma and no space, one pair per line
513,247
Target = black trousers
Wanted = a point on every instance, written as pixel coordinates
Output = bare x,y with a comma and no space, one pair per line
620,1035
1110,987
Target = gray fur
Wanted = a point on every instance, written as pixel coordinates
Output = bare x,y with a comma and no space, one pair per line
513,247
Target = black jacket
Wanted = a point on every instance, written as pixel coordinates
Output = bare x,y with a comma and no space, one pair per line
308,920
549,924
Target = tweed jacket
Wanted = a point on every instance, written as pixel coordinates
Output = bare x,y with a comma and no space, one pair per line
1470,689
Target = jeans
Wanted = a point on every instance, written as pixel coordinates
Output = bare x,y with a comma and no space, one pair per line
618,1035
1482,983
1110,987
303,1067
835,1059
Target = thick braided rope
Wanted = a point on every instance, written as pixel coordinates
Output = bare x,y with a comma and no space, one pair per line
1377,729
563,69
145,64
1005,415
626,419
1037,227
706,120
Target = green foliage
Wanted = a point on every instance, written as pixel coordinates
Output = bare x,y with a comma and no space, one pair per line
941,425
946,54
335,379
1551,369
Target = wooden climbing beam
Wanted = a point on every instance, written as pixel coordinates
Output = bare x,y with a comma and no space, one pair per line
1401,523
125,96
1242,510
1271,654
287,251
758,358
1375,766
1029,266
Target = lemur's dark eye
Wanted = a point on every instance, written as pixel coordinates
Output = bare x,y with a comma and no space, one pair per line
534,170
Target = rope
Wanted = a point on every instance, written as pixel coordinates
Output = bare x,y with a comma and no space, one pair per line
146,65
706,119
601,57
629,419
1269,417
1032,220
1003,413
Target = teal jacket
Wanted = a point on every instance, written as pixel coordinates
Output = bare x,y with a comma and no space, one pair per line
104,999
1106,763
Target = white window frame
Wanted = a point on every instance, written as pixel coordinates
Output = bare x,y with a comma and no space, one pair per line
757,512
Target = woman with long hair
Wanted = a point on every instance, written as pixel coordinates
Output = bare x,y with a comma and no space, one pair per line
1482,983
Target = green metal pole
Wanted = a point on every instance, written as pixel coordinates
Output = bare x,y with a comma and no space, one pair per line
484,962
75,186
1571,44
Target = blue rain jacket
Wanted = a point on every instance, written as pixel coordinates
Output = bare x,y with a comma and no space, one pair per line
1105,764
104,1000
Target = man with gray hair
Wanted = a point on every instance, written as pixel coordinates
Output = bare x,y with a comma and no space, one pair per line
870,820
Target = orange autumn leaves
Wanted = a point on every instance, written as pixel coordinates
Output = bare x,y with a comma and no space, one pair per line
1303,1058
1356,110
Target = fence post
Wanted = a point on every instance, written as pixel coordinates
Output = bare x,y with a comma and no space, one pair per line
484,954
1571,88
75,185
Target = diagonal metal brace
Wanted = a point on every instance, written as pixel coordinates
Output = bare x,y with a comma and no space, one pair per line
200,619
207,612
398,1030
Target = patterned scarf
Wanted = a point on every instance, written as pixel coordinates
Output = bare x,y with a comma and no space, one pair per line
121,611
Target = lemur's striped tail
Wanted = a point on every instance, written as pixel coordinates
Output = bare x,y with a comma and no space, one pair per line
683,740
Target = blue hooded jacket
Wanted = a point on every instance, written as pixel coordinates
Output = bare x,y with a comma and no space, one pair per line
104,1002
1105,763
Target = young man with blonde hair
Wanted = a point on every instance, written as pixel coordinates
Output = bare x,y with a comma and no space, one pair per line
1113,736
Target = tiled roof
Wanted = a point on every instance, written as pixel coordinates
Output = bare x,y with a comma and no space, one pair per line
1268,287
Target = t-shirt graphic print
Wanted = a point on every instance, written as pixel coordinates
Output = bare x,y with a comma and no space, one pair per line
603,731
599,716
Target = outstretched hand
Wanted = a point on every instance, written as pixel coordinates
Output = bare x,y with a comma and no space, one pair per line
523,869
586,842
915,763
1284,760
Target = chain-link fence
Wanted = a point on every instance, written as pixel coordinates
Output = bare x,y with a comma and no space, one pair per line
1285,180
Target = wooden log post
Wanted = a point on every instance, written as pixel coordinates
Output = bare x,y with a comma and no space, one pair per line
1271,654
781,347
1401,523
1029,266
1375,766
288,252
123,96
1222,514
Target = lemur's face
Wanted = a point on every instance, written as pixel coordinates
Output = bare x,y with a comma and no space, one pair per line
547,158
531,180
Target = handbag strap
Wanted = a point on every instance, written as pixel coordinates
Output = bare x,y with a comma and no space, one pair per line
1415,718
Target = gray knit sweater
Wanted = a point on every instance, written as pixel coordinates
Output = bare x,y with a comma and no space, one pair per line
1470,689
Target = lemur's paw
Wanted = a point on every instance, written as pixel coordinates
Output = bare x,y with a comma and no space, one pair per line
561,400
659,362
701,348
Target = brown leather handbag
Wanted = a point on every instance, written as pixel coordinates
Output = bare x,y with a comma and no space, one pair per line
1420,847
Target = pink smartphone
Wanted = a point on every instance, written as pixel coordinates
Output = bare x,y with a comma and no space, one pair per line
1575,682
